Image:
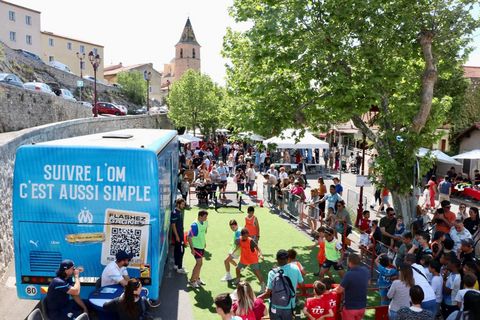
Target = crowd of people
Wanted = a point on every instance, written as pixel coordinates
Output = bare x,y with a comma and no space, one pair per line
425,270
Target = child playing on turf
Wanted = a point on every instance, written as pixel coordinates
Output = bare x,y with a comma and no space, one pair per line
321,248
231,257
252,225
385,278
333,254
249,255
292,259
318,308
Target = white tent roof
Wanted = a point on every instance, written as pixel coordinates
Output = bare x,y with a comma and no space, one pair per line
252,136
474,154
439,156
188,138
287,141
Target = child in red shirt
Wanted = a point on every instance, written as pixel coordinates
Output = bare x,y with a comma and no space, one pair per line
318,307
365,229
331,295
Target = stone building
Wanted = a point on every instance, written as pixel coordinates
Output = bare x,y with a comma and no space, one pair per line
187,56
20,27
111,75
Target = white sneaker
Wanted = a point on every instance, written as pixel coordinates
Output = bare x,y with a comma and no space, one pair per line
227,277
200,282
181,271
193,284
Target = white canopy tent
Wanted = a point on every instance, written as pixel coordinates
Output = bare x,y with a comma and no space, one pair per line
188,138
252,136
472,155
439,156
287,140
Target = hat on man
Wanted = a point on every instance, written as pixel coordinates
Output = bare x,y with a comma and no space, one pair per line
282,254
65,265
122,255
468,242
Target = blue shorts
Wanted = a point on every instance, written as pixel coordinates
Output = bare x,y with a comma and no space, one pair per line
254,266
198,253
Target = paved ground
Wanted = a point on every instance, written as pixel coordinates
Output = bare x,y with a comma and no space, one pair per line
175,301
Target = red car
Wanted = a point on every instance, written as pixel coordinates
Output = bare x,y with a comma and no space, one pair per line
108,108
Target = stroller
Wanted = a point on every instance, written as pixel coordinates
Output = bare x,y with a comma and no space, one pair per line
343,166
202,192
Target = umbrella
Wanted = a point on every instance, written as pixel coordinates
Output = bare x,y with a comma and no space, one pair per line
439,156
474,154
188,138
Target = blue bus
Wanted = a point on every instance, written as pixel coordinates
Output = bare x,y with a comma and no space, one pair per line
85,198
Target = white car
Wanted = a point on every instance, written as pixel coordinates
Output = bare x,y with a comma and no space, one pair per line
60,66
67,95
86,104
38,87
123,108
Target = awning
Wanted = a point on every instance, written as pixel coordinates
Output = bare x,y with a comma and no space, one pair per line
188,138
438,155
287,140
474,154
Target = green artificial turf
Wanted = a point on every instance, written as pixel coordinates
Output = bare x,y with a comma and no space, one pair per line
276,233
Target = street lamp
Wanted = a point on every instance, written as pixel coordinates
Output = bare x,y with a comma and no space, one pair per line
81,57
147,75
95,61
370,119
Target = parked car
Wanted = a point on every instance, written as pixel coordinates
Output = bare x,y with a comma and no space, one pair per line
67,95
109,108
60,66
90,78
29,55
158,110
142,110
55,88
86,104
11,79
39,87
123,108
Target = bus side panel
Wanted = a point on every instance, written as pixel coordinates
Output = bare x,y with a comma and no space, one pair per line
83,204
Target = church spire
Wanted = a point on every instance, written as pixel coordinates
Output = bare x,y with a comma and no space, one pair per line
187,35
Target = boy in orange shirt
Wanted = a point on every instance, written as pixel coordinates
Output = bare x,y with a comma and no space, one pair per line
292,259
252,225
249,255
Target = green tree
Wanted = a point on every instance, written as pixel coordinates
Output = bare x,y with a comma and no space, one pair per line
313,63
133,86
195,102
464,115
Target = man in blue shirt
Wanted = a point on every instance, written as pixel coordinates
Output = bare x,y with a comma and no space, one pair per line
354,287
176,222
332,198
293,273
58,302
338,186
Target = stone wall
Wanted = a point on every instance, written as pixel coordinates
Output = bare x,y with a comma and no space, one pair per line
9,143
21,108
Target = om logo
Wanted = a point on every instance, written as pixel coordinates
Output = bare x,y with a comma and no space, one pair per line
85,216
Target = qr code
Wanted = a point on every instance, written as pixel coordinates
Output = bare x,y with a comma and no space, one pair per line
128,240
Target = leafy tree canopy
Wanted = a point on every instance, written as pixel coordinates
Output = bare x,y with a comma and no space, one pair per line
195,102
133,86
316,63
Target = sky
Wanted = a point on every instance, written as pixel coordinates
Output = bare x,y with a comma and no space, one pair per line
144,31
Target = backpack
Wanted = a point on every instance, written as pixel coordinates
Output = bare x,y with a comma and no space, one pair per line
282,289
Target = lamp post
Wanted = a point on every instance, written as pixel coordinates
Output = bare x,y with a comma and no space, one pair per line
147,75
81,57
95,61
370,119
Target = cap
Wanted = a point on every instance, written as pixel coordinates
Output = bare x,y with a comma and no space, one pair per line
65,265
282,254
468,242
122,255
